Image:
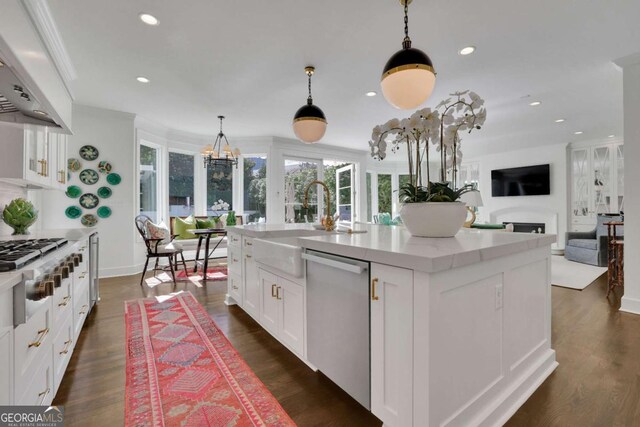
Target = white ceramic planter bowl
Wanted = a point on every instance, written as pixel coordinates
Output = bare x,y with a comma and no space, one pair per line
434,219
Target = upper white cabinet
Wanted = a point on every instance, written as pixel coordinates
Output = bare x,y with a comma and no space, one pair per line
33,156
597,183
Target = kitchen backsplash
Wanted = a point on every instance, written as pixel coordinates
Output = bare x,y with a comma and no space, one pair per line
9,192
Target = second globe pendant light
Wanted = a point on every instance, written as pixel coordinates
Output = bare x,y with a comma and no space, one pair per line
309,122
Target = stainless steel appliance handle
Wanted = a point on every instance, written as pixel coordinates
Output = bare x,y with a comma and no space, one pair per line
351,268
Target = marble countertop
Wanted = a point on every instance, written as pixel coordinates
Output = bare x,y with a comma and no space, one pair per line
9,279
276,230
393,245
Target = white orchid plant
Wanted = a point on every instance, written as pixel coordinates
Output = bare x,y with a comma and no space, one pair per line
441,127
220,205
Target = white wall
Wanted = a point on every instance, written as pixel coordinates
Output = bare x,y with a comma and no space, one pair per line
631,70
555,156
112,133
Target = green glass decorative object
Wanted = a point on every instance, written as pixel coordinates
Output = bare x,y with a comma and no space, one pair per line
114,179
73,191
104,192
104,212
231,218
20,215
73,212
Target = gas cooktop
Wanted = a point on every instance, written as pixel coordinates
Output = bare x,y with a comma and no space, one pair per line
16,254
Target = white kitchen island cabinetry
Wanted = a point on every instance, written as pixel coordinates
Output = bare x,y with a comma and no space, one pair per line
392,344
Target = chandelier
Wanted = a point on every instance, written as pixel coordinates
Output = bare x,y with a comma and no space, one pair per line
214,158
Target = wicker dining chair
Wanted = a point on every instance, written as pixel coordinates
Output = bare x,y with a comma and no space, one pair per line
156,249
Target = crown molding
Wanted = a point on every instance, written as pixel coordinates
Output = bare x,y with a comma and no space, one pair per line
43,21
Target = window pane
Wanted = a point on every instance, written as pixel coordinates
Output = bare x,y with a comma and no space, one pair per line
181,184
219,188
369,198
255,188
384,194
149,182
402,180
342,205
297,174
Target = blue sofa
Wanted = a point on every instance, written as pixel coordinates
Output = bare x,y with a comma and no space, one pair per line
591,247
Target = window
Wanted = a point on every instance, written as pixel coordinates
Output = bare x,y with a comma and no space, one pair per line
219,187
181,184
297,174
255,189
384,193
149,189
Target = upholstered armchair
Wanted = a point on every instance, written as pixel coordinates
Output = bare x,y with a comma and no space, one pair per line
591,247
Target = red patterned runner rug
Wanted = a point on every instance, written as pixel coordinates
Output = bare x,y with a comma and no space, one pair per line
182,370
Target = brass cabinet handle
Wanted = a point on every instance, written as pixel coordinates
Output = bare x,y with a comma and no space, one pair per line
248,256
235,260
234,287
42,162
45,169
64,301
83,308
278,292
273,290
374,282
41,334
67,344
249,243
43,395
61,177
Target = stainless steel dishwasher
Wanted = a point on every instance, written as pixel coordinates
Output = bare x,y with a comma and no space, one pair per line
338,325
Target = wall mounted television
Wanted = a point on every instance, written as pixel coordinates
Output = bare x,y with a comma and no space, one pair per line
523,181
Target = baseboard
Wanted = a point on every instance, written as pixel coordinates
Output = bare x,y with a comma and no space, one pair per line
120,271
515,396
630,305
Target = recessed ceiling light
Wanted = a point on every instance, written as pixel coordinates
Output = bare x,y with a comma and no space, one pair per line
42,113
142,79
611,136
467,50
578,132
535,103
559,120
149,19
372,93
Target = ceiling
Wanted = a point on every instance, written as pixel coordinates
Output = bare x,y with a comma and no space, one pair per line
245,59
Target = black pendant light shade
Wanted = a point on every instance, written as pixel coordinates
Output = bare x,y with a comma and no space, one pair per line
309,122
408,78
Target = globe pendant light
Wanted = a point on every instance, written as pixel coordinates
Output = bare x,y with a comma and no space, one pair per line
408,77
309,123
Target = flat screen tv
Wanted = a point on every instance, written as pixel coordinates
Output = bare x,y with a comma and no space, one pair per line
525,181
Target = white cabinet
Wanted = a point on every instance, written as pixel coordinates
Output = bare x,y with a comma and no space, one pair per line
392,344
6,365
269,304
596,174
282,309
251,293
32,155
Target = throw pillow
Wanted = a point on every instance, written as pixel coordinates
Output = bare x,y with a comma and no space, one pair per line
205,223
158,231
181,227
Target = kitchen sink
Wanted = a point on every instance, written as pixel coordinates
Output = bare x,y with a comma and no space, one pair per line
281,253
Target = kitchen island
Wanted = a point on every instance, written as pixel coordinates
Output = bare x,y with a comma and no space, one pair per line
460,328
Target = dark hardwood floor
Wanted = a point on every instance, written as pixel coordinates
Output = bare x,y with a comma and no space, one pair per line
596,384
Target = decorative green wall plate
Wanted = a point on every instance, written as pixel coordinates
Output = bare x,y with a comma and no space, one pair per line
73,191
104,212
114,179
73,212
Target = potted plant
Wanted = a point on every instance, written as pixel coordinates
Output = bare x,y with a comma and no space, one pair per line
432,210
20,215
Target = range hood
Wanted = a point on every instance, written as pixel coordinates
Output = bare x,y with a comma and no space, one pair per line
17,103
